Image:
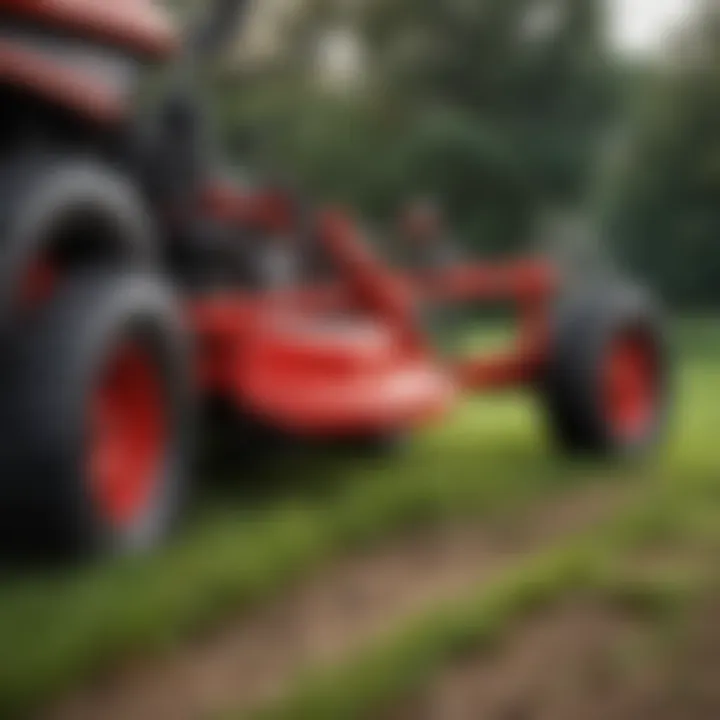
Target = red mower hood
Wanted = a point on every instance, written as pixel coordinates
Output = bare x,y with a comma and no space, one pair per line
139,26
329,380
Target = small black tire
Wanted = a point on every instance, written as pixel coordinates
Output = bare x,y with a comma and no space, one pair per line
52,499
593,407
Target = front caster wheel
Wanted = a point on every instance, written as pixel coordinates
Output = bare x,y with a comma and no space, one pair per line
606,388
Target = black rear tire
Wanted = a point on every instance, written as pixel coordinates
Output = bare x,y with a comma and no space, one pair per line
582,409
52,370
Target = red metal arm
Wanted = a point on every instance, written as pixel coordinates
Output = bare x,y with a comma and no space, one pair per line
368,285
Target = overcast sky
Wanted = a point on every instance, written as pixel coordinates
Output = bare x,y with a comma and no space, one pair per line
639,25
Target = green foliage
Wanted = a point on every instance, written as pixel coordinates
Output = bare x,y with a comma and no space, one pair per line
335,147
664,212
494,107
499,108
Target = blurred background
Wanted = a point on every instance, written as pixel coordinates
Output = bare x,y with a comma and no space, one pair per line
474,575
512,113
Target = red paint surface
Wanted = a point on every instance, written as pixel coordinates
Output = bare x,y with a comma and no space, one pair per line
630,384
139,25
127,437
73,89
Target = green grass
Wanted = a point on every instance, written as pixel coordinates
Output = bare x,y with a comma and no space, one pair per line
384,674
244,545
685,517
680,510
63,628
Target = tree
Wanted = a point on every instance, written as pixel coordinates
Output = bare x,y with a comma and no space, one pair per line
664,206
515,94
495,106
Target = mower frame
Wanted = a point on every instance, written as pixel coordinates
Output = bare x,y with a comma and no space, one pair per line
107,342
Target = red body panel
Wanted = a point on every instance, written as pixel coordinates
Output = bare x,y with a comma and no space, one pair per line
302,370
74,89
136,27
140,26
326,377
286,356
128,431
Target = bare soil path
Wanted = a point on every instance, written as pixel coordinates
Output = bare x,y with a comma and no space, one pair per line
326,618
582,659
575,661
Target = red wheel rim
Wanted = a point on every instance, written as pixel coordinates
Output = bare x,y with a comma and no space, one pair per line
631,385
128,434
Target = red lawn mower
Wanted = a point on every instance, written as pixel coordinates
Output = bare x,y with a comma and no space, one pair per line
132,294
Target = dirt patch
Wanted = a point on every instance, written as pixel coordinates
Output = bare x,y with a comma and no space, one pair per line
326,618
689,688
563,665
582,660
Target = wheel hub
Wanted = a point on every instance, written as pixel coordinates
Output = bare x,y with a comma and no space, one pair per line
128,436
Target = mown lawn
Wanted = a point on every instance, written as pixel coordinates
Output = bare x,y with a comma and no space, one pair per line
675,523
57,630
